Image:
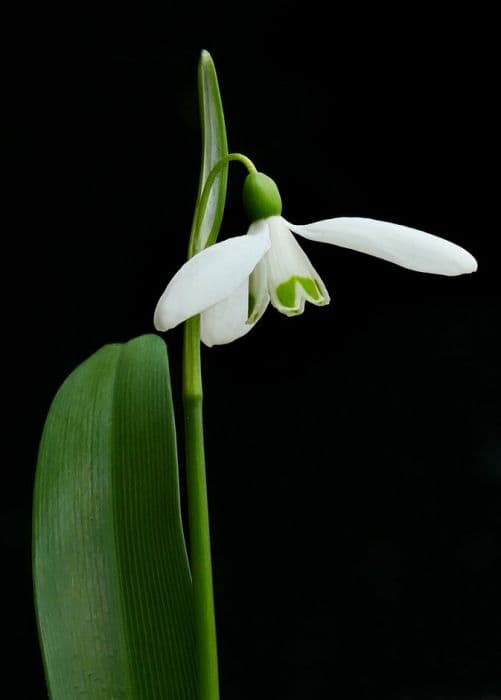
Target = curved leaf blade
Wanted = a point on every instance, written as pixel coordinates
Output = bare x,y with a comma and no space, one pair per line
111,576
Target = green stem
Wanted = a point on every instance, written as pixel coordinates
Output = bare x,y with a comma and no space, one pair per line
198,509
201,566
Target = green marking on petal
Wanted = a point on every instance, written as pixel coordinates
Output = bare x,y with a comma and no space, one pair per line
310,287
252,304
286,292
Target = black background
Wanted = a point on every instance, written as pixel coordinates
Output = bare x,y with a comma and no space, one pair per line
354,458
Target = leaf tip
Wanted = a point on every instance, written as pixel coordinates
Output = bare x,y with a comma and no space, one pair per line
147,340
205,57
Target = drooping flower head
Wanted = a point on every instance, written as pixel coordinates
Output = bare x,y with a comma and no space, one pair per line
231,283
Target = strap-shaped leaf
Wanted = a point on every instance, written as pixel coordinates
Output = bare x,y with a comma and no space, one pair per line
112,583
214,145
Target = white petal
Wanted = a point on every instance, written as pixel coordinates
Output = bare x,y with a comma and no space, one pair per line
401,245
291,277
211,276
227,320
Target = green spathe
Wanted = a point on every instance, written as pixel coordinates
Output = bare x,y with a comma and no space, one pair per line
261,197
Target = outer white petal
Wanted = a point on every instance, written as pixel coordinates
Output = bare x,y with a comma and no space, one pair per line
401,245
211,276
227,320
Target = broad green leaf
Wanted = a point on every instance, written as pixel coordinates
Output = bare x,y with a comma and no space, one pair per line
112,583
214,145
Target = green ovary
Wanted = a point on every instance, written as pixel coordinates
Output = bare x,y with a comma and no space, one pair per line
286,292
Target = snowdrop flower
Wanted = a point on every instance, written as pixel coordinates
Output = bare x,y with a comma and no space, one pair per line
231,283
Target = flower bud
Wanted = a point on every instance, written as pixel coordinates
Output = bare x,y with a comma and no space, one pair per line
261,197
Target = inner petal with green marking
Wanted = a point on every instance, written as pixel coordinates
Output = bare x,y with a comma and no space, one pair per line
258,293
291,278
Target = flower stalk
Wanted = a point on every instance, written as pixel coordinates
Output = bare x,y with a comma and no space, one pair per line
195,245
196,480
198,511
